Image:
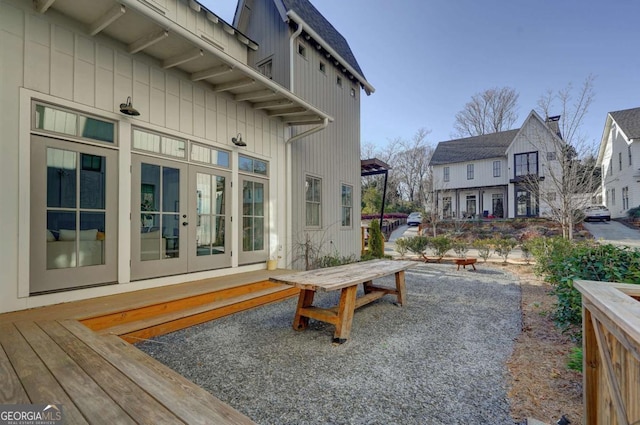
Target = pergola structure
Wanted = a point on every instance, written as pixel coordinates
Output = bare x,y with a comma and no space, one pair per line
373,166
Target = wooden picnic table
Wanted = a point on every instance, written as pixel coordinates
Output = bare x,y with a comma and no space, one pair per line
346,279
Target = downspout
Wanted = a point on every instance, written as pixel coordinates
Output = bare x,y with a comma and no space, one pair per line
288,161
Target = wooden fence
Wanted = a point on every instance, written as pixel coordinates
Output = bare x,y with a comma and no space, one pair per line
611,352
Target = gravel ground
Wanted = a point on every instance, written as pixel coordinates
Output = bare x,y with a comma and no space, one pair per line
438,360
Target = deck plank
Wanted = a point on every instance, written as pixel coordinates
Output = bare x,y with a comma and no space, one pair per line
92,401
188,401
38,382
135,401
11,390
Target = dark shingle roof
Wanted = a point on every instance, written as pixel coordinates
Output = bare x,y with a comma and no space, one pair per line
629,121
492,145
324,29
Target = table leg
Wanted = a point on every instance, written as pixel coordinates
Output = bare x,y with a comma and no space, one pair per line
345,314
305,299
401,287
367,286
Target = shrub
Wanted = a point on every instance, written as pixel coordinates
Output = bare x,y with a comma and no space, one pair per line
417,245
575,359
633,213
331,260
401,246
503,247
376,240
484,248
526,251
460,247
440,245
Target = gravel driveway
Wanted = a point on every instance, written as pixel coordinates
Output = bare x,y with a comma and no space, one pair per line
438,360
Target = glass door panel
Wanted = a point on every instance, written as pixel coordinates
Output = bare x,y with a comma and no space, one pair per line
254,220
80,228
158,226
210,208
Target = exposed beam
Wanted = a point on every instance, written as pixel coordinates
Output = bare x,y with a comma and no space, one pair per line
194,5
211,72
213,18
146,41
273,104
254,95
309,121
302,119
43,5
234,84
228,29
107,19
289,111
184,57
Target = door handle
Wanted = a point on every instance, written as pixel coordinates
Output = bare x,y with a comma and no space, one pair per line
184,223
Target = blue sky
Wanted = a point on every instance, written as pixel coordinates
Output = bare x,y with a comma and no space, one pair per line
427,58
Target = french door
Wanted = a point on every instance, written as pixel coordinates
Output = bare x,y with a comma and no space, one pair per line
74,206
253,223
179,217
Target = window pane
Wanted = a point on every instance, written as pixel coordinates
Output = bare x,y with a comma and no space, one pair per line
220,199
258,202
92,128
171,234
170,189
247,234
258,234
150,188
91,239
221,158
173,147
146,141
152,246
260,167
247,198
203,193
92,181
61,178
245,164
218,236
56,120
200,154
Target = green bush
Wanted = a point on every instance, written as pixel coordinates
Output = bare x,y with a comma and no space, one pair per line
565,262
633,212
417,244
401,246
376,240
440,245
575,359
460,247
331,260
484,247
503,247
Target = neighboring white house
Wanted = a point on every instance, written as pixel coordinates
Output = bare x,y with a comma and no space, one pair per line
141,148
489,175
302,51
619,159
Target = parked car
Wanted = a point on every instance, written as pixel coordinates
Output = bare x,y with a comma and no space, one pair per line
596,212
414,219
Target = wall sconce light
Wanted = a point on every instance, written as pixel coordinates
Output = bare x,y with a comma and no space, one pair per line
238,140
128,109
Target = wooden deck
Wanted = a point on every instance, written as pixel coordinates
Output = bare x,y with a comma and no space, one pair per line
50,355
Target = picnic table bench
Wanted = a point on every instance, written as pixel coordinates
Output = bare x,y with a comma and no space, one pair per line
345,278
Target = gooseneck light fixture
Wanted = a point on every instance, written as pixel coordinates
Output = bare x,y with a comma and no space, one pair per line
128,109
238,140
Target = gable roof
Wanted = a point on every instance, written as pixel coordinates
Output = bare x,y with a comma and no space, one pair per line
486,146
318,27
629,121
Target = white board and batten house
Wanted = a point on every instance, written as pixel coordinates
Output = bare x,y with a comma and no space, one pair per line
619,159
141,149
485,175
302,51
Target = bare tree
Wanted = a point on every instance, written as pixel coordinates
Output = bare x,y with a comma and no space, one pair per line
570,173
411,167
491,111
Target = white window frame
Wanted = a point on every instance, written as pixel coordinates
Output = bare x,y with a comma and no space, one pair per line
315,203
497,168
346,207
446,174
470,172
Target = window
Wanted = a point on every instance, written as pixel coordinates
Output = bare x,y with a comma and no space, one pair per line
551,156
496,168
252,165
302,51
339,81
322,67
347,205
471,207
526,164
629,154
313,199
625,198
446,174
469,171
611,166
60,121
620,161
446,207
613,196
266,68
152,142
209,155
